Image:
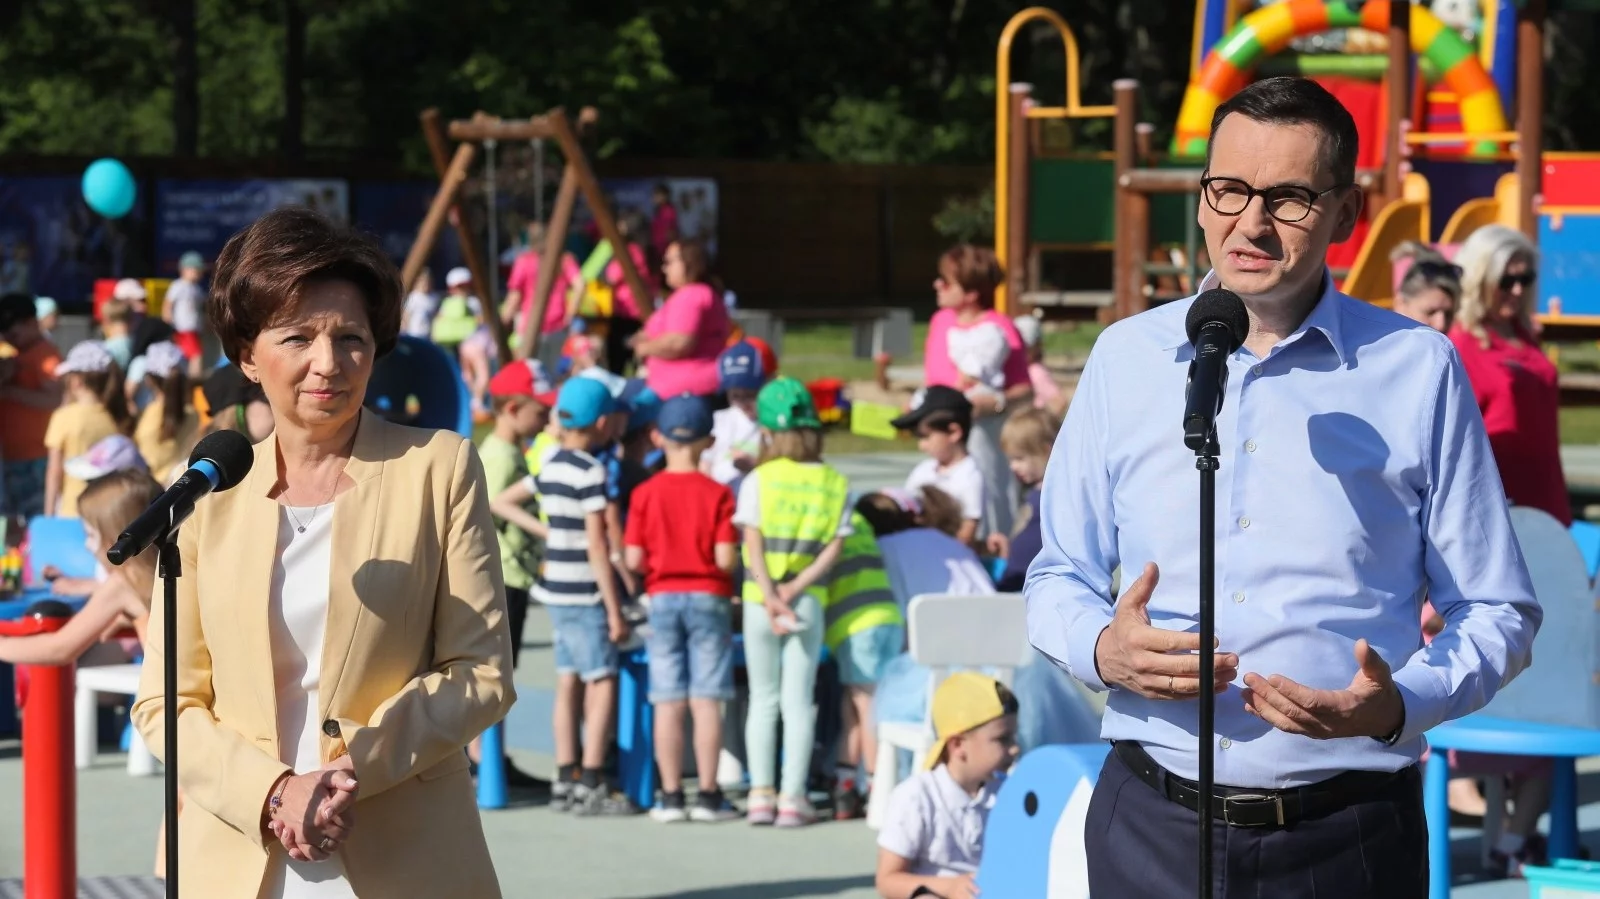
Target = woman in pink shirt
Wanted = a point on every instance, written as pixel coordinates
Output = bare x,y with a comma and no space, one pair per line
518,304
968,276
681,341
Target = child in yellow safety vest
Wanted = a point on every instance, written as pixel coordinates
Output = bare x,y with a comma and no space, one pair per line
795,513
864,631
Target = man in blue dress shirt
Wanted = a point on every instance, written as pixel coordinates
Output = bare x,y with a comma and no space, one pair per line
1355,480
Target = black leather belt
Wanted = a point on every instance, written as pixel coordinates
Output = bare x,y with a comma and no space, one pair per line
1260,808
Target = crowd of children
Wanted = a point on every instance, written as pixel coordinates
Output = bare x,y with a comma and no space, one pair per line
634,517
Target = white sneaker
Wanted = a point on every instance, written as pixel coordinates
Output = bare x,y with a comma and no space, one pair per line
795,811
669,809
709,808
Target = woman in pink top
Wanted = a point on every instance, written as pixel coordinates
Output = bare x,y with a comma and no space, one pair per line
518,304
968,276
681,341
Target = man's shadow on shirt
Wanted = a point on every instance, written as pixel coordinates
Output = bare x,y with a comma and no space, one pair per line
1351,449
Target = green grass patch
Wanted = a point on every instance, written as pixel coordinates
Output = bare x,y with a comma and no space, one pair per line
1580,424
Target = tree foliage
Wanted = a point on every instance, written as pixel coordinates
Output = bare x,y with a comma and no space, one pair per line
868,81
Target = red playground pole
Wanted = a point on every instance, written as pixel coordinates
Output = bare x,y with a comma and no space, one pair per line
49,780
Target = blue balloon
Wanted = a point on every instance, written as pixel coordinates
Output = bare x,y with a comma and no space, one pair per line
108,188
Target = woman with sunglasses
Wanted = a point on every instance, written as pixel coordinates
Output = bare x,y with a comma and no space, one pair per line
1513,381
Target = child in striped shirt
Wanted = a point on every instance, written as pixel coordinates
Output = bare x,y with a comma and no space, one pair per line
585,610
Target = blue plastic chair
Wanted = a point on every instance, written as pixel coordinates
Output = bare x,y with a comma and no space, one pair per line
1033,845
1587,536
59,542
1482,733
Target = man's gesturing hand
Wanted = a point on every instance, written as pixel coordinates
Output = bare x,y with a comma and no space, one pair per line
1369,707
1150,661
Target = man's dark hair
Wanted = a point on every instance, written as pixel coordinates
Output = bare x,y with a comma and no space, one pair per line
1297,101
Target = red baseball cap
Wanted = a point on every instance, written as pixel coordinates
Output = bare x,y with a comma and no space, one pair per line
769,359
524,378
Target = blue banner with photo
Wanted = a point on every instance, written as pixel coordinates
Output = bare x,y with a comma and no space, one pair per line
202,215
392,211
53,245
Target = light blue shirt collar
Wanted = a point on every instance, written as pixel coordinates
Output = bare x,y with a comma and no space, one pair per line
1325,317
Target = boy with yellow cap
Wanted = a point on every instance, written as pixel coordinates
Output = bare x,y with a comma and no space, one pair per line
932,837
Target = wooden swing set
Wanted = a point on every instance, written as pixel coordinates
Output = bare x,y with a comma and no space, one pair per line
577,174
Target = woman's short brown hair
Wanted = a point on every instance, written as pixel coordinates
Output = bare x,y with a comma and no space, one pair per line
696,263
975,269
264,269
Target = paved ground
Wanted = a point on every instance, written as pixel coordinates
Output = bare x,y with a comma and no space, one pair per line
542,854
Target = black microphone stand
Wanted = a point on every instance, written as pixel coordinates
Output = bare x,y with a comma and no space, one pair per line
169,564
1206,462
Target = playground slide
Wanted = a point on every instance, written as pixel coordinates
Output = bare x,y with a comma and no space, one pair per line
1370,276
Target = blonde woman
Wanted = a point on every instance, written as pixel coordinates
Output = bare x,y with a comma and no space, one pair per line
1514,383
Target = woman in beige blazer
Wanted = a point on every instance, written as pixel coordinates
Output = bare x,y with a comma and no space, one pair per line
341,616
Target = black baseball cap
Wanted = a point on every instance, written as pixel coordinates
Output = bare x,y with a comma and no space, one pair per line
930,400
16,308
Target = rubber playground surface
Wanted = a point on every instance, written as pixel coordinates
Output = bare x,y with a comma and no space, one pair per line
544,854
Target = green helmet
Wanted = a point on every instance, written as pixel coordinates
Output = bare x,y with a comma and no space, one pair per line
784,404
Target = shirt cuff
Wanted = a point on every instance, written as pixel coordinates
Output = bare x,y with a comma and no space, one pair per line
1081,641
1426,698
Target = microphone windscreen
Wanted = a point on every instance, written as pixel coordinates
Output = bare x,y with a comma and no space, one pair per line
1219,306
230,451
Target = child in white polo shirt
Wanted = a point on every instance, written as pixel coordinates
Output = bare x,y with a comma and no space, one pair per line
932,836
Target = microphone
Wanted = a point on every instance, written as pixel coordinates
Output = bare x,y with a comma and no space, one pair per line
219,461
1217,324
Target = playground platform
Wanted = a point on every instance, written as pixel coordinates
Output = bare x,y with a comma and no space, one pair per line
540,853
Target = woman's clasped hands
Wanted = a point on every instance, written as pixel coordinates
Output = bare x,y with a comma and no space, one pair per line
314,812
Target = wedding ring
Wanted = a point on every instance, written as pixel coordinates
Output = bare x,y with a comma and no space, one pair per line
1170,688
326,844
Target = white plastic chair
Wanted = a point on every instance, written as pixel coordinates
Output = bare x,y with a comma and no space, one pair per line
1557,689
949,632
120,680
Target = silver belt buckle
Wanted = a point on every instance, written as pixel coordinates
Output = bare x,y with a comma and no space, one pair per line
1254,799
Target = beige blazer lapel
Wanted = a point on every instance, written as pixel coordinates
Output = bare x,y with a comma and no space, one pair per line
251,523
355,528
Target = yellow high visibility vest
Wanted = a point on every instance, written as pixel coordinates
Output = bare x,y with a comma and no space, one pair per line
801,507
859,597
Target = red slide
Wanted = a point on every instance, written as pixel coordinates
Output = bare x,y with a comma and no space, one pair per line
1368,105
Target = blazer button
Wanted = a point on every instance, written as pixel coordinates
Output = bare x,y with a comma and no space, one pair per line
330,727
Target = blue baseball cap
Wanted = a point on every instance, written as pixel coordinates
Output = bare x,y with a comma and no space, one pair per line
739,368
684,419
642,403
582,401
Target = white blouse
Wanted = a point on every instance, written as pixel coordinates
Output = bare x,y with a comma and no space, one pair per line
297,617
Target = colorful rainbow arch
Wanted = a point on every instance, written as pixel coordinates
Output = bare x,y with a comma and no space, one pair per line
1271,28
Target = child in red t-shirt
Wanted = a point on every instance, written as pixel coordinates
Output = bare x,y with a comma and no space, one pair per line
680,536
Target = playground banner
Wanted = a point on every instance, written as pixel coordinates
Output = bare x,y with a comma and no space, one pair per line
202,215
695,200
52,245
392,211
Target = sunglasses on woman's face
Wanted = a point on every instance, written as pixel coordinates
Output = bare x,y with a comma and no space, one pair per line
1509,281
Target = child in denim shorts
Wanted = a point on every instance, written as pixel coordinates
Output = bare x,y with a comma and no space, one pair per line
680,536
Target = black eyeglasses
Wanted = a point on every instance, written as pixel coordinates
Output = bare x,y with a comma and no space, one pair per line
1288,203
1525,280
